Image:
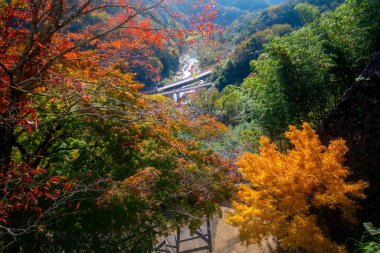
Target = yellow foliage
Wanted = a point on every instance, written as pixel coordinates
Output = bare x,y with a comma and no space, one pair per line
273,7
287,191
208,128
158,97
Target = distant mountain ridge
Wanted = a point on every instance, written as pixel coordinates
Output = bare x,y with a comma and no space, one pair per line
231,10
247,5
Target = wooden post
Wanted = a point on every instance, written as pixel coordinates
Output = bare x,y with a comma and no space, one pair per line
178,239
209,234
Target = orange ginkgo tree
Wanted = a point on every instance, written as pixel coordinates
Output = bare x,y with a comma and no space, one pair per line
287,192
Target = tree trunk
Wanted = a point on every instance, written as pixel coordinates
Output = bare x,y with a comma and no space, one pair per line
6,141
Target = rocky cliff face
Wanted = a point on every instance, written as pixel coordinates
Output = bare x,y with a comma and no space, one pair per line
357,120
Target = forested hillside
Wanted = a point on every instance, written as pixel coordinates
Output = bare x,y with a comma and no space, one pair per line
228,11
249,32
231,10
301,75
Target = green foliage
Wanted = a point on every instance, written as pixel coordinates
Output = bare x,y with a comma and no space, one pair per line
169,61
225,105
301,76
307,12
251,30
352,32
370,242
227,14
297,76
237,67
249,139
128,213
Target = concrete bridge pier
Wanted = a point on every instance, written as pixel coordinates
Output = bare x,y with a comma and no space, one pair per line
176,96
198,90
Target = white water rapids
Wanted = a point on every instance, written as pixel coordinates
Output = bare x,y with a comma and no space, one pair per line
189,65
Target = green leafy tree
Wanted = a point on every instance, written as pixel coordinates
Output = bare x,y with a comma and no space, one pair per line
307,12
301,76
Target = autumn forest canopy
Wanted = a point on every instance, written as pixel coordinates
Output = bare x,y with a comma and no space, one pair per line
93,159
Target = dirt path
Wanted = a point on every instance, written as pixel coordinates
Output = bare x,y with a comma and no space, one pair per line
225,239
